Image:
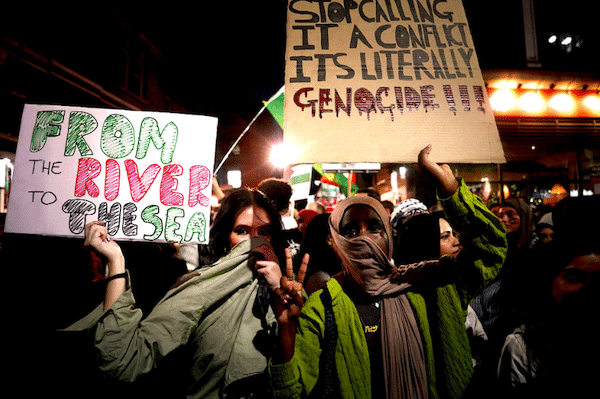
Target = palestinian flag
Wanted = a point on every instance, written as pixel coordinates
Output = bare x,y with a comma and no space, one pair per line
337,179
275,107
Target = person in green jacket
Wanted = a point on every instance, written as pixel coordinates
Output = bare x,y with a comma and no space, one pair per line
380,330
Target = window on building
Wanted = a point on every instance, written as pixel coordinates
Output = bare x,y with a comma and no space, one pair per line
132,67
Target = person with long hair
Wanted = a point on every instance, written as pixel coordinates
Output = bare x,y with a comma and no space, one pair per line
220,313
324,262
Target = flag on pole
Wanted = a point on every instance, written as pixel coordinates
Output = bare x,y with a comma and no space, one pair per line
275,107
337,179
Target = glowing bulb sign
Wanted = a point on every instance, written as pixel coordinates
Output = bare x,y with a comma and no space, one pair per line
545,103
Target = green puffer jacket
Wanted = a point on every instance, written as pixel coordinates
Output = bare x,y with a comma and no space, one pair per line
440,311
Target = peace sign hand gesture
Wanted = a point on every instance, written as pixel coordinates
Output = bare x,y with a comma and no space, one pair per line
288,298
287,304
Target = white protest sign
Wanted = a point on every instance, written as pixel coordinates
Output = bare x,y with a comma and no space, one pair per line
378,80
146,174
300,182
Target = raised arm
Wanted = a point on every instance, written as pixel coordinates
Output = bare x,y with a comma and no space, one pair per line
96,237
440,174
480,232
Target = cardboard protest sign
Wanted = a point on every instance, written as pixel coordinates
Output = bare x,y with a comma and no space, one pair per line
148,175
378,80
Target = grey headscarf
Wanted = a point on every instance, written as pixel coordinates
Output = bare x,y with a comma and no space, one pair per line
405,373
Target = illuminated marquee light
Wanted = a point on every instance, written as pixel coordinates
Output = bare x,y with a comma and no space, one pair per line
503,100
531,102
562,102
545,103
592,102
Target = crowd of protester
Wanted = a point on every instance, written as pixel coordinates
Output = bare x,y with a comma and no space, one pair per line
456,300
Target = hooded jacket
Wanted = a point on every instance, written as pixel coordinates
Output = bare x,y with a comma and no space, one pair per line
216,311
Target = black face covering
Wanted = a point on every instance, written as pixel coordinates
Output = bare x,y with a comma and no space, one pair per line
261,249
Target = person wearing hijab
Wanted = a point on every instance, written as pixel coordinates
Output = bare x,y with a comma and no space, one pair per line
498,305
517,217
379,330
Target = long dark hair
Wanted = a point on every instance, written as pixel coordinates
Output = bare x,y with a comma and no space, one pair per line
231,206
418,239
323,256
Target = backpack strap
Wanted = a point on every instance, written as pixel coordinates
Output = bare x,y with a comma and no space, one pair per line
328,385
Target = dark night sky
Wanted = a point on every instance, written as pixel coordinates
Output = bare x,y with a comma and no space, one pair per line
230,52
238,48
229,56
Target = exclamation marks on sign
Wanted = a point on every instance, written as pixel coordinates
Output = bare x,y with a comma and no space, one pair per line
464,97
479,98
450,98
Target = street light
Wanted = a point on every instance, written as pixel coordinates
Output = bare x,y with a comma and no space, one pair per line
234,178
283,154
402,171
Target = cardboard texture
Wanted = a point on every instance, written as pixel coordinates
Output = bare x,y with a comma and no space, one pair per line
378,80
